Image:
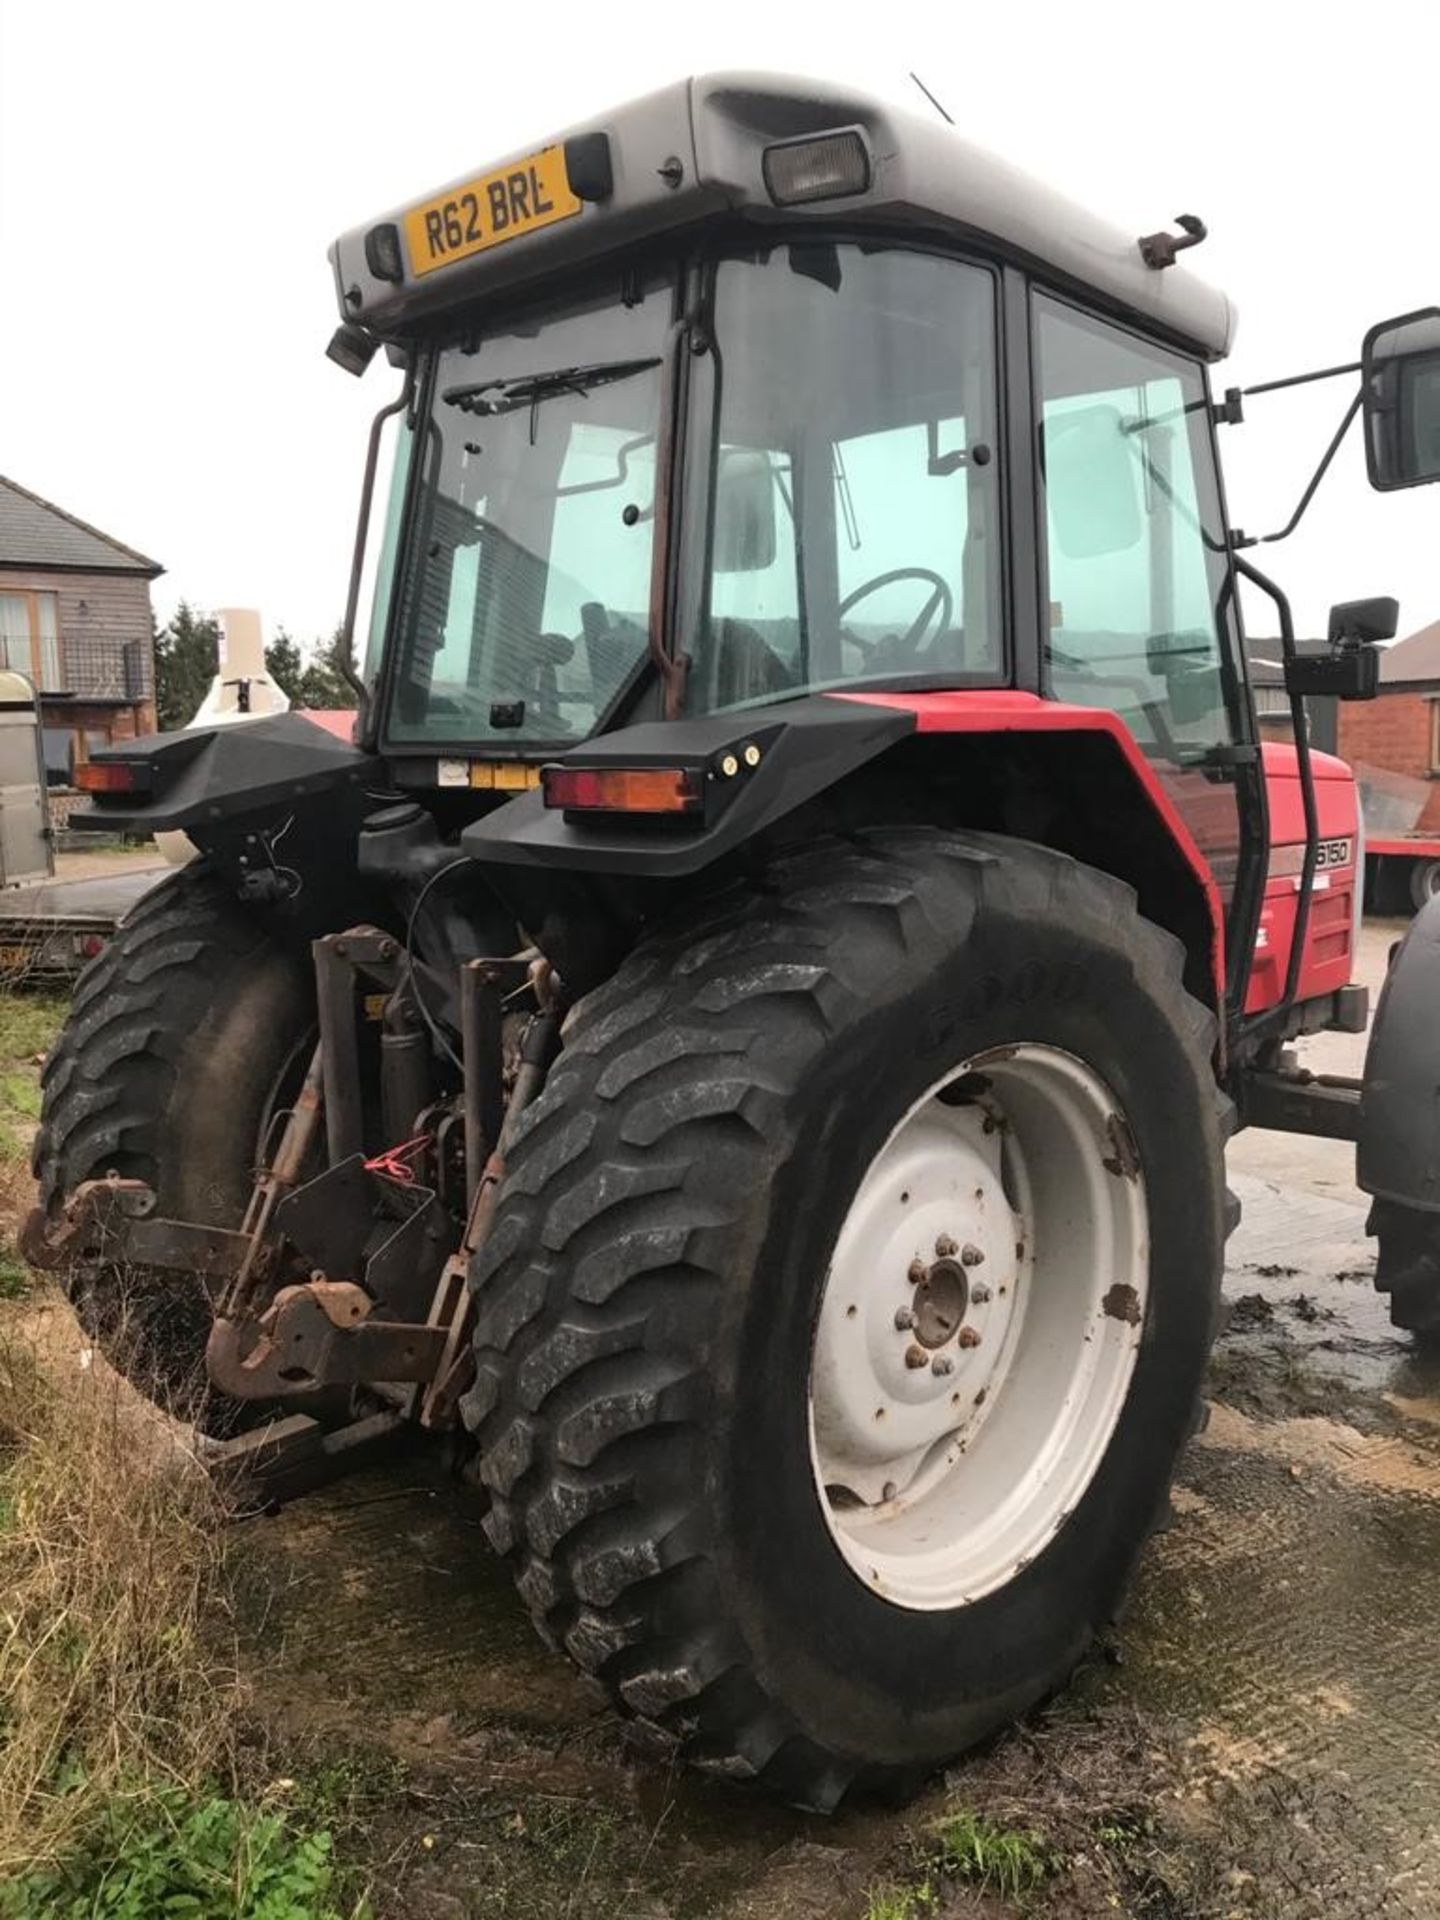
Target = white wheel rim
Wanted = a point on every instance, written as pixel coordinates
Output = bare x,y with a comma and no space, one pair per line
979,1327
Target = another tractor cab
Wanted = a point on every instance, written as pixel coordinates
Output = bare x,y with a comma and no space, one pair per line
746,1034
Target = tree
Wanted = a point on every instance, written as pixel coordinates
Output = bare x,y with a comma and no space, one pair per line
187,648
325,683
286,666
310,677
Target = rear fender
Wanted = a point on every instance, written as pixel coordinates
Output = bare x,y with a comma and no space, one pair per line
1067,777
275,803
1398,1152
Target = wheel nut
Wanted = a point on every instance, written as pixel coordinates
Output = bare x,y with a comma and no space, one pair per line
942,1364
904,1319
915,1356
916,1272
944,1247
971,1256
968,1337
979,1294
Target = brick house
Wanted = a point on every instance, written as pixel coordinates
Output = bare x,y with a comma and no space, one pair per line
1400,732
75,616
1396,735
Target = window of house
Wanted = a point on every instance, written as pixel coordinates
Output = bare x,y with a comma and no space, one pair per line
67,748
30,637
1435,738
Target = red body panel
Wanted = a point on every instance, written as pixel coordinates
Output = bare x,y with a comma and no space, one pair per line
1329,943
1330,938
1000,710
337,720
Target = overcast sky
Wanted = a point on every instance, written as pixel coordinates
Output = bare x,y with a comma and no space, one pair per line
171,174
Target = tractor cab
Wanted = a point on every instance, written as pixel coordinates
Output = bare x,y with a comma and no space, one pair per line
696,433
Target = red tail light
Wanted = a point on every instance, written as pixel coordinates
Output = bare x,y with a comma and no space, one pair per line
623,789
113,776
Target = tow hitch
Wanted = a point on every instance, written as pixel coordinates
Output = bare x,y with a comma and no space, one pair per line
352,1278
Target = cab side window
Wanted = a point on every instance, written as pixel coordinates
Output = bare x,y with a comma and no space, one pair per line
1134,539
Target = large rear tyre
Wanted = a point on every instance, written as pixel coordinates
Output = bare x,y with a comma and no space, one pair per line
183,1035
753,1192
1407,1267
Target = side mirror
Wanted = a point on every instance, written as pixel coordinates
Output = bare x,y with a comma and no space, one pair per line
1090,482
1348,666
1363,623
744,512
1400,387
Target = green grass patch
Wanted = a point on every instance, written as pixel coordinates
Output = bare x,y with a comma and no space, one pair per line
966,1848
16,1279
1010,1861
901,1903
200,1857
20,1094
29,1023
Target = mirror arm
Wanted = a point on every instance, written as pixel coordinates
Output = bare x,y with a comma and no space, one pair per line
1239,539
1274,1017
1302,379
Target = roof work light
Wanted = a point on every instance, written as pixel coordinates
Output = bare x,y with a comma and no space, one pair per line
819,169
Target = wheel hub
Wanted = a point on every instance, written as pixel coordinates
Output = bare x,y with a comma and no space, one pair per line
941,1301
912,1362
945,1397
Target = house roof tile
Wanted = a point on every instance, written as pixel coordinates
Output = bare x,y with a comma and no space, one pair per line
37,533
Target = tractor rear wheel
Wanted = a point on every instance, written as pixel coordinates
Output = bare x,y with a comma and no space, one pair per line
183,1036
847,1303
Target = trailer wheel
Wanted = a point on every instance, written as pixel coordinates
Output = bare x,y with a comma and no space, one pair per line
847,1304
181,1036
1424,882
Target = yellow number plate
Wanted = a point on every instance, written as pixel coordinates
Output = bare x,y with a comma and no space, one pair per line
16,959
486,212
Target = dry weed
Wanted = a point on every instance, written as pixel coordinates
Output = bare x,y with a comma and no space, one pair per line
114,1663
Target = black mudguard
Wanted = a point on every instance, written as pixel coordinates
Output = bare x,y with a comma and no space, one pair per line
755,768
1398,1153
276,806
213,775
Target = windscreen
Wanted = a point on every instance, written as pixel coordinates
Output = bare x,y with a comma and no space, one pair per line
851,472
526,589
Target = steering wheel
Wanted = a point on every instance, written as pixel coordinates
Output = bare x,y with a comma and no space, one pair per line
938,609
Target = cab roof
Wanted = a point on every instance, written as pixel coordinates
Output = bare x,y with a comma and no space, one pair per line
694,152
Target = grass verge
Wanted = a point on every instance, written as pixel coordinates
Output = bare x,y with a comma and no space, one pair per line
125,1788
28,1025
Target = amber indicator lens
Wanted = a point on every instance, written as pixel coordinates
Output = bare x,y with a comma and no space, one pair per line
622,789
113,776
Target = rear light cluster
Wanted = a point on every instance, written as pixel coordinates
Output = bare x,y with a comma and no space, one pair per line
113,776
649,791
623,789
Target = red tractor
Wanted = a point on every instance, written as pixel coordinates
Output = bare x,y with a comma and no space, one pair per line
746,1035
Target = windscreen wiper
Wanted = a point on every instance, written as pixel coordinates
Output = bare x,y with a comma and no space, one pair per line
505,394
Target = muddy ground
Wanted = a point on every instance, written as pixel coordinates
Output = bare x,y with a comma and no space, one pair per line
1258,1737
